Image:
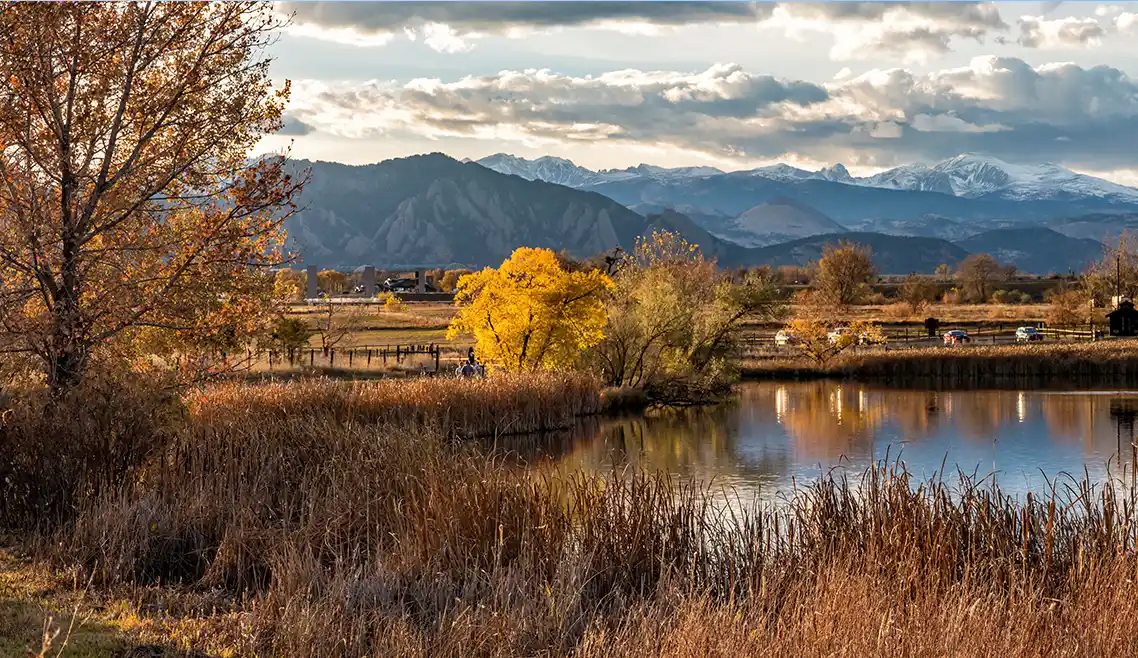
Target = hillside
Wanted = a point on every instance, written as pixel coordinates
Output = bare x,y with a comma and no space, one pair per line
434,209
1035,250
892,254
779,220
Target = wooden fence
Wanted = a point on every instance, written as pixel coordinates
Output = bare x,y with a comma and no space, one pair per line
361,356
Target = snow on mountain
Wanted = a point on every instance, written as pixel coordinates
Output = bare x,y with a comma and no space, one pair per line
564,172
546,168
967,175
974,175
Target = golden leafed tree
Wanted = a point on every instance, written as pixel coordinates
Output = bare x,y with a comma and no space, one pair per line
531,313
844,273
130,214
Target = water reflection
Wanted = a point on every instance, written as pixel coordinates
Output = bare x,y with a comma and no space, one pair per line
777,434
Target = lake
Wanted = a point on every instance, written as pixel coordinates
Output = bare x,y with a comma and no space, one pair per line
778,434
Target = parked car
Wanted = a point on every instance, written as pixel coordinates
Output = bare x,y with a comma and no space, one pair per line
784,338
1027,334
838,334
956,337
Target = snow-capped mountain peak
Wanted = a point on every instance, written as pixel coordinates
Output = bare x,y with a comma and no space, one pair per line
966,175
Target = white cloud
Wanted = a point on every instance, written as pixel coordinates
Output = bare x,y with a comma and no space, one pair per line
948,123
1038,32
1126,22
914,31
999,105
843,74
1107,10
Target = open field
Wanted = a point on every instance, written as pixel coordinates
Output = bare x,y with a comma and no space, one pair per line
324,519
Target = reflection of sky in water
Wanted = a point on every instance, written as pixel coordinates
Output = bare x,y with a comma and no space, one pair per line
779,434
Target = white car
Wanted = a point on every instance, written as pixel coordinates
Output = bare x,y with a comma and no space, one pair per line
1028,334
838,334
784,338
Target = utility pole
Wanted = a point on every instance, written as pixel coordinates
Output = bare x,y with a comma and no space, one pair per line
1117,277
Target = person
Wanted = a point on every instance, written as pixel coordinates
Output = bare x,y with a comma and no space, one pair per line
480,370
467,370
470,356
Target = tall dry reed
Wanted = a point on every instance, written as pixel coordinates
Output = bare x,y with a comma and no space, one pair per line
340,537
1106,363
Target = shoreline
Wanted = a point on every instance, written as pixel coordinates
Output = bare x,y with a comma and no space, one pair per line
1107,363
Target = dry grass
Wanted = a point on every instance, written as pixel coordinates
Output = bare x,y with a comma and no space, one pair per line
319,519
1110,362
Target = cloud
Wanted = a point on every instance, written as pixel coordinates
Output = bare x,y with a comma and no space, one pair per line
913,30
1126,22
1038,32
293,126
999,105
375,23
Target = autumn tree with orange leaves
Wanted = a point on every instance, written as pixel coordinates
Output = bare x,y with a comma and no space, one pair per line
128,207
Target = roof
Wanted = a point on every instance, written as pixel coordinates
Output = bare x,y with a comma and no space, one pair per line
1125,306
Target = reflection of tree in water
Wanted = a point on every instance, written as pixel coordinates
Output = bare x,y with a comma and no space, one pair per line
1123,411
699,443
828,420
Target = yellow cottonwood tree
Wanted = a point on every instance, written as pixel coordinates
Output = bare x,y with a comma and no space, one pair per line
130,216
530,313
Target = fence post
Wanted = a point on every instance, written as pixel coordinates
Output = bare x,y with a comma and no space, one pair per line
369,357
437,350
398,354
311,357
350,353
332,358
270,359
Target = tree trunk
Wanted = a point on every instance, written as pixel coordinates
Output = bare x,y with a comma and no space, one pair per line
67,352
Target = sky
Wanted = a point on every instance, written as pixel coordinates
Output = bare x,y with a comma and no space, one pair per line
728,84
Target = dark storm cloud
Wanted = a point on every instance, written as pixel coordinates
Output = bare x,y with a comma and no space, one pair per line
497,17
293,126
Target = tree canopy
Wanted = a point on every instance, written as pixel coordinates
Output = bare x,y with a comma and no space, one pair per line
531,313
128,207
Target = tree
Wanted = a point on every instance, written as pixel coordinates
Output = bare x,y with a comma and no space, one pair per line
450,279
1069,307
944,272
674,320
531,313
844,273
812,326
332,282
813,337
335,322
1116,273
978,273
291,334
128,207
917,292
289,285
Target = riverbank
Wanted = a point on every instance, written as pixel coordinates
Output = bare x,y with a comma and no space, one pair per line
1107,363
310,519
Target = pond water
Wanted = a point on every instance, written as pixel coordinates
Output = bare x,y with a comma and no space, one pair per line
780,434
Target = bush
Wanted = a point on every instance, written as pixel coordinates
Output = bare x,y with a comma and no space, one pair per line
57,455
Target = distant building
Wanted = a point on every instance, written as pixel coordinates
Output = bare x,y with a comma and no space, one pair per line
1124,319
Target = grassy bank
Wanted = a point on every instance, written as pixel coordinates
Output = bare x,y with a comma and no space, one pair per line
1108,363
302,519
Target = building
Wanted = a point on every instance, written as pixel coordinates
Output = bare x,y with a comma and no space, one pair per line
1123,320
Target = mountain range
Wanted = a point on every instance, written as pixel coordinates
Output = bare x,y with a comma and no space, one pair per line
433,209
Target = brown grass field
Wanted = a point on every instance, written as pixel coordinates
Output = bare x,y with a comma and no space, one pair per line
328,519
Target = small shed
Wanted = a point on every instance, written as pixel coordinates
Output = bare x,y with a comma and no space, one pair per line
1123,320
